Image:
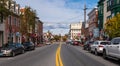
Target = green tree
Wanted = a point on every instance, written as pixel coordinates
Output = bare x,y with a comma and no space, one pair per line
4,12
28,20
57,38
112,26
64,38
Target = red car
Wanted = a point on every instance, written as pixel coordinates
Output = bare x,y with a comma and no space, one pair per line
76,43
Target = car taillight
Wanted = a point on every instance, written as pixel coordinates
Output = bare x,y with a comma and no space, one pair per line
100,46
75,42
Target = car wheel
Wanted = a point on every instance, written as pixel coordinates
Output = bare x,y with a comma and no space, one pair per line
104,54
96,53
22,51
33,48
119,60
91,51
13,54
88,49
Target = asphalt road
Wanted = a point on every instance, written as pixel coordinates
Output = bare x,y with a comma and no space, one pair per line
46,56
76,56
42,56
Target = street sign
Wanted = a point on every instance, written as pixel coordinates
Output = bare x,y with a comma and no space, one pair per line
96,32
18,34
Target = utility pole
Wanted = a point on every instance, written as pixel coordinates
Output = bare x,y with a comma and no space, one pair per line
85,13
84,25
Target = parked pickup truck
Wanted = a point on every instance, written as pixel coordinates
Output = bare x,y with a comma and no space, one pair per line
113,49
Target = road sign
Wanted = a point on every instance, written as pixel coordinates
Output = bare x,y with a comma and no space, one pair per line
96,32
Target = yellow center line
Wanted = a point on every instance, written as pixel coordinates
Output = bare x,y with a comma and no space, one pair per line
58,57
57,64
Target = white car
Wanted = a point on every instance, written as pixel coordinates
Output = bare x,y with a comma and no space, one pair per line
112,50
97,46
48,43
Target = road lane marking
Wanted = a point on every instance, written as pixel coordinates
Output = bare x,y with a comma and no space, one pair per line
9,58
57,64
60,60
58,57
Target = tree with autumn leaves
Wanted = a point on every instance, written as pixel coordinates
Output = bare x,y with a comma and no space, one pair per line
112,26
28,17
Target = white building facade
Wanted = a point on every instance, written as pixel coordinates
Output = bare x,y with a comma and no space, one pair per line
75,30
107,13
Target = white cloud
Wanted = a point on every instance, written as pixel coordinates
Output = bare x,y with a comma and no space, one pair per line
58,31
56,26
52,12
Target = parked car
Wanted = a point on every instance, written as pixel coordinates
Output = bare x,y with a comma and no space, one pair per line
113,49
98,46
29,45
11,49
70,42
76,42
48,43
87,45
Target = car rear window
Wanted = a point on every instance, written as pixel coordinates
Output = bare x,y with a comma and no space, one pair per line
104,43
91,42
116,41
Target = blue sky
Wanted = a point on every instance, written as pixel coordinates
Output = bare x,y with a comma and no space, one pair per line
58,14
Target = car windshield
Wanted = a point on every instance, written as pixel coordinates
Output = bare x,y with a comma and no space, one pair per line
9,46
27,43
91,42
116,41
104,43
